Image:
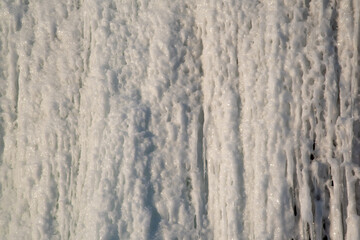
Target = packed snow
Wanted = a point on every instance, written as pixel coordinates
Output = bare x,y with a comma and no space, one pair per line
184,119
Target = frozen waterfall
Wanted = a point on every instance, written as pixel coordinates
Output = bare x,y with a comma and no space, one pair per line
179,119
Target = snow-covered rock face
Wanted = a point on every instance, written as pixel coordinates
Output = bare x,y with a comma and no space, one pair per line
203,119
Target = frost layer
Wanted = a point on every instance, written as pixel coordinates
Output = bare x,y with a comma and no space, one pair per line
179,119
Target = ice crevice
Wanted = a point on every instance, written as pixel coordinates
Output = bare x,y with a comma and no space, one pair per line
179,119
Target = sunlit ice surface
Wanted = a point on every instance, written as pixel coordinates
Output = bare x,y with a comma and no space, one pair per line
185,119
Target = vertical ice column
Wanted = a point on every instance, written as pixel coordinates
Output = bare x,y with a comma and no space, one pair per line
348,49
219,24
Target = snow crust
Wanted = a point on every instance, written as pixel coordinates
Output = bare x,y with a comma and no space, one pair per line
185,119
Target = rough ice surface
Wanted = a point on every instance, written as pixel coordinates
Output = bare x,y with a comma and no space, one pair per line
187,119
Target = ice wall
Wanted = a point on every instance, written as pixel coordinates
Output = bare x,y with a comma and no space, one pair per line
204,119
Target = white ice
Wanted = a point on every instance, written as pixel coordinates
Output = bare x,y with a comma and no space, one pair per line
159,119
